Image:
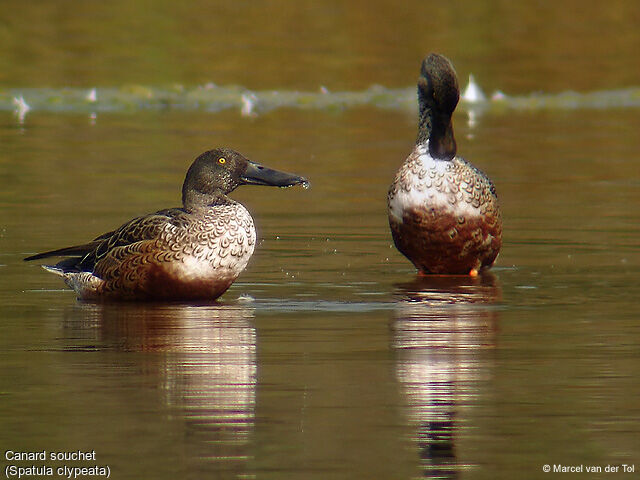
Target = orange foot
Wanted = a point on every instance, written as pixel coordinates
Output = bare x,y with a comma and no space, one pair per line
473,273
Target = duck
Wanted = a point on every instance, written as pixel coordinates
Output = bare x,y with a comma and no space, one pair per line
194,252
444,213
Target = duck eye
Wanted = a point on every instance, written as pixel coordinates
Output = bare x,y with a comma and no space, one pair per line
222,160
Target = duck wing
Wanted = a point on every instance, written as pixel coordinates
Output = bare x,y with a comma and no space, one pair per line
83,258
74,251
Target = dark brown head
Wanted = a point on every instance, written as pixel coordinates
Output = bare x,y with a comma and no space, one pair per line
438,95
218,172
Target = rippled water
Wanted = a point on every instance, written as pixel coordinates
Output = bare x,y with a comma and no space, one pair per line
328,358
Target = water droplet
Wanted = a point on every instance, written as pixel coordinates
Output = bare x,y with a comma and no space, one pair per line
306,185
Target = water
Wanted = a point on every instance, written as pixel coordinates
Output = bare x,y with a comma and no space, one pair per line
328,358
213,98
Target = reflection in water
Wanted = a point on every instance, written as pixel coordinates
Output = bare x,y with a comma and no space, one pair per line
442,325
207,369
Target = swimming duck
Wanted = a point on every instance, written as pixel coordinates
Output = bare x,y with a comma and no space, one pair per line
190,253
443,211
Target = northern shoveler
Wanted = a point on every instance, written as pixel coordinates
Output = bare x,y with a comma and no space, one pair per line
443,211
190,253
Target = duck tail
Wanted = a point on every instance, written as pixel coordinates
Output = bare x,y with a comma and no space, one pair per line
53,269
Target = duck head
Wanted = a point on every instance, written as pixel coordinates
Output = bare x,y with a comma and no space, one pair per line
218,172
438,95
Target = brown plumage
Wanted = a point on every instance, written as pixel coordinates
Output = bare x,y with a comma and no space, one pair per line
190,253
443,212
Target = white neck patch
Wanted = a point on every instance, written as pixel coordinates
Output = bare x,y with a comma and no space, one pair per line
428,161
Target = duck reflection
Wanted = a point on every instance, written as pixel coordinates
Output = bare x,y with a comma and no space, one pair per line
442,327
207,368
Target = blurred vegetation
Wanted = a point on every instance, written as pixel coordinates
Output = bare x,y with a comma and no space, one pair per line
518,47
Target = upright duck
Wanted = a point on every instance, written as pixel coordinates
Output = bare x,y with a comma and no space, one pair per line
443,211
191,253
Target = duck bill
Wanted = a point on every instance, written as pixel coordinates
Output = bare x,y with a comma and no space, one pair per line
257,174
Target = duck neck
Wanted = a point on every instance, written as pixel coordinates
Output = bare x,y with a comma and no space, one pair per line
194,200
435,130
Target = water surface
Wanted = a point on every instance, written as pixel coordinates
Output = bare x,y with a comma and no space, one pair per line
328,358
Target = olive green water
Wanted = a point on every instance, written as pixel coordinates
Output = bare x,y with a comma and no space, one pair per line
328,358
